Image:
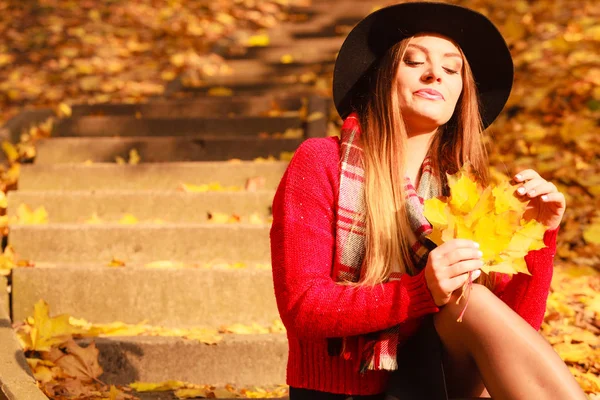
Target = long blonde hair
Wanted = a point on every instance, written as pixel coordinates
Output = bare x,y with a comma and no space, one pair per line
384,141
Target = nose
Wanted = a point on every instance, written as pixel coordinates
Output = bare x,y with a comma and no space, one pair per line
433,73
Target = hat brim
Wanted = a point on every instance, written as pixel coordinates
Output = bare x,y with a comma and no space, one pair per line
481,42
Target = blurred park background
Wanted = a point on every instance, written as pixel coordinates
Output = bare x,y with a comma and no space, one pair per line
62,61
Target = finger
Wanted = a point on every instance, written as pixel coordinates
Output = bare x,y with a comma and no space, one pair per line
464,267
462,254
526,175
554,197
460,280
454,244
536,187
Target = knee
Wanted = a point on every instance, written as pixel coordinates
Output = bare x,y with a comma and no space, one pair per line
479,301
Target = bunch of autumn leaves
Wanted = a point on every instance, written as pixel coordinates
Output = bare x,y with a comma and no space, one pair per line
491,216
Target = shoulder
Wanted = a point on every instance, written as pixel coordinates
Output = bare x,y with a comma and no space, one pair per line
314,166
324,149
310,181
317,156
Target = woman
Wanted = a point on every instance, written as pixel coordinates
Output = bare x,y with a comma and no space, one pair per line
355,277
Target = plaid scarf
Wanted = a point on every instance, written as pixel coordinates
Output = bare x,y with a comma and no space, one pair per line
380,349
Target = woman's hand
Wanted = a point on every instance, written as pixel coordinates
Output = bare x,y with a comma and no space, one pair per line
547,205
448,267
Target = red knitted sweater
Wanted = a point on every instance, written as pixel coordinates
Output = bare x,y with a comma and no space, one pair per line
313,307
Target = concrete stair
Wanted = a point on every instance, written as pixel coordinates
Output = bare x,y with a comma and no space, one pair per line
67,206
170,297
131,126
141,243
160,149
149,176
187,138
241,360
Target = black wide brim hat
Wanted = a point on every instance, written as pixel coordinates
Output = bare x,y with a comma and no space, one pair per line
481,42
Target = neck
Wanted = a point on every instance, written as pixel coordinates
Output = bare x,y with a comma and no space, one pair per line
417,141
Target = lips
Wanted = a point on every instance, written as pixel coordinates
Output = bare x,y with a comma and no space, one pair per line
429,94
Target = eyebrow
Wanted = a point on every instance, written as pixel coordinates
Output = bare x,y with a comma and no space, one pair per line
424,49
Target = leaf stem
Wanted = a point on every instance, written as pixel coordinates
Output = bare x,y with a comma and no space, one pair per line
466,294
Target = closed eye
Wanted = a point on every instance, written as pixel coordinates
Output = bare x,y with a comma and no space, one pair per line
415,63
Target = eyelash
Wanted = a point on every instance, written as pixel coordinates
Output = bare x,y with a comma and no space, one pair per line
415,63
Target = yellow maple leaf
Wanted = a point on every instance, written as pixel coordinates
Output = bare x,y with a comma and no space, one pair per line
116,263
259,40
11,151
464,193
436,212
128,219
134,157
207,187
157,387
505,200
256,219
490,244
287,59
11,176
242,329
43,371
43,331
7,260
64,110
220,91
27,216
482,206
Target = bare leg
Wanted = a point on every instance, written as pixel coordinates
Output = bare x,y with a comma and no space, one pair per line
494,348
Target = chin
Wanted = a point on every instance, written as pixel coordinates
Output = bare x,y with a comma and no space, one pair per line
435,121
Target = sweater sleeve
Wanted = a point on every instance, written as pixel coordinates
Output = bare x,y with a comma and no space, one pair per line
527,295
302,237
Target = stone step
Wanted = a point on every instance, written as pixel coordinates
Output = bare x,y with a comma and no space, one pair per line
145,176
248,69
141,243
241,360
238,80
300,55
110,206
251,88
315,48
161,149
131,126
197,107
170,297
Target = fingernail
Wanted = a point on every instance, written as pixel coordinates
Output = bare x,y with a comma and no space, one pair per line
518,176
480,253
476,245
521,190
544,197
476,274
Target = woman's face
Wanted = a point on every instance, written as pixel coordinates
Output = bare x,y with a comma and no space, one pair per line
429,81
